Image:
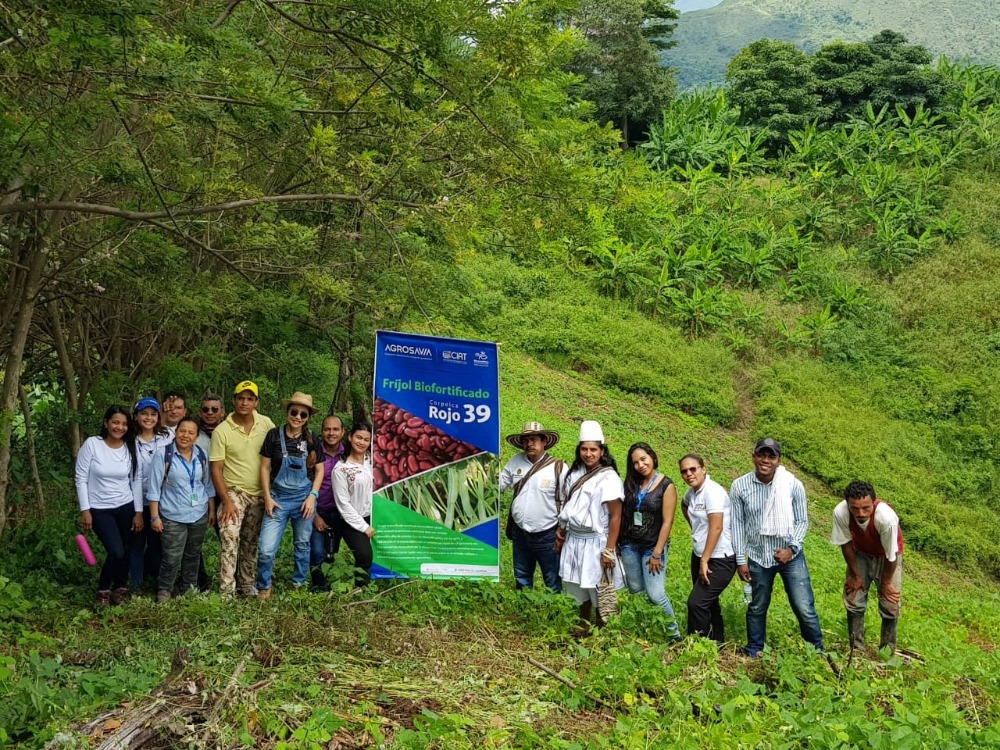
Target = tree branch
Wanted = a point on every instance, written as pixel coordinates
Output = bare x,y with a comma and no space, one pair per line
224,16
123,213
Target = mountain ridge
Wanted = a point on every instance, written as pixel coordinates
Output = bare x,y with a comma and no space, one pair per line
707,39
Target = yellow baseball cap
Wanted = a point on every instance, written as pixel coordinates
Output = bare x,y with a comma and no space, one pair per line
247,385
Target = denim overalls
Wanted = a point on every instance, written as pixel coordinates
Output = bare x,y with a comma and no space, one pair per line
289,490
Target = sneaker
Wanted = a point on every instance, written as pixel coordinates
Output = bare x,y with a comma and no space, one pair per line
120,595
264,593
163,596
103,598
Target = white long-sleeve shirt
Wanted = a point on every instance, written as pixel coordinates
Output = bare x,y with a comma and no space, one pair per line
352,490
103,477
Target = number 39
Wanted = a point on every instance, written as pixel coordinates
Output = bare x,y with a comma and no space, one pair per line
479,413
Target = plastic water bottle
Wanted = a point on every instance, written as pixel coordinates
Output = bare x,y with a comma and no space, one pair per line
747,592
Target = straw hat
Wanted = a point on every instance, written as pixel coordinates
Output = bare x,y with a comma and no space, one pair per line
302,399
533,428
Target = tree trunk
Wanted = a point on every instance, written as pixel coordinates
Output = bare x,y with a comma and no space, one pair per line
69,376
29,435
15,361
345,370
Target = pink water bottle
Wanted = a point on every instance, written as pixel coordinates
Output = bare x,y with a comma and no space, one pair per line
88,556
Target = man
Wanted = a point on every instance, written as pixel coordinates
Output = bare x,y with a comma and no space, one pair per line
769,527
533,520
868,533
235,462
210,416
325,542
174,410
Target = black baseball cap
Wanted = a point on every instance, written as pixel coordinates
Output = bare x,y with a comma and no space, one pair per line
767,444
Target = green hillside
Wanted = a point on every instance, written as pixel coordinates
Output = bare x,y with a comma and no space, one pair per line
462,666
194,195
708,39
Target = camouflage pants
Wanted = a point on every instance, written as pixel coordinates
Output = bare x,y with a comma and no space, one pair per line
238,540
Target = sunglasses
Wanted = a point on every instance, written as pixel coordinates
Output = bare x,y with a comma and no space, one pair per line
210,409
299,414
690,470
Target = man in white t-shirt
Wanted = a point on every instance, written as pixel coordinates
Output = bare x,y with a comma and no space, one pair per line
868,533
531,525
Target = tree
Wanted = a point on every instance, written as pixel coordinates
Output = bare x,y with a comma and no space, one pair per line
886,70
242,186
620,62
774,87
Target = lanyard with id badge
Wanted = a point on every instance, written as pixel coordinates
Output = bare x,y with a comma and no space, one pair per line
190,473
637,516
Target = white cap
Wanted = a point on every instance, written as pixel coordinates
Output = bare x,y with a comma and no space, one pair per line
590,431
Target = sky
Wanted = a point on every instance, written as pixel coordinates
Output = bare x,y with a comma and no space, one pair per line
686,5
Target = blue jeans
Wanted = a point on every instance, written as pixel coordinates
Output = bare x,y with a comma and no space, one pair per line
539,549
273,529
795,577
635,561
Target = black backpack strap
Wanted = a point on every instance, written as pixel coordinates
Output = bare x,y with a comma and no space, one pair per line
168,457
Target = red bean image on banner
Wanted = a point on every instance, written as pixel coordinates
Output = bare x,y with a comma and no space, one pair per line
405,445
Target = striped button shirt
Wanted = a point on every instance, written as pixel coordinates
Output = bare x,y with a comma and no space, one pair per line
749,497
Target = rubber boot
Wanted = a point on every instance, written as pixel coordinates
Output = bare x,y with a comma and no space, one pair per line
856,629
888,637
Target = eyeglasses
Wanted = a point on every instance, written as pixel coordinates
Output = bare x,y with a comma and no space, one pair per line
210,409
689,470
298,414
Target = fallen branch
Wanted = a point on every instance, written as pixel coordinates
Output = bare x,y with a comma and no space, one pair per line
380,593
569,683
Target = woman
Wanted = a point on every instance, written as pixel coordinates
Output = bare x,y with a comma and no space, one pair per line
290,482
589,522
151,435
109,490
713,562
181,506
648,518
352,490
325,540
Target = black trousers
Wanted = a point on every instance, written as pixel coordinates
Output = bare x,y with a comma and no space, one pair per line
704,611
113,527
361,547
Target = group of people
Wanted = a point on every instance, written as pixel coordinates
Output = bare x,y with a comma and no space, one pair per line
589,532
154,480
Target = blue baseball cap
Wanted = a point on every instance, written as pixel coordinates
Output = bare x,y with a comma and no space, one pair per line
147,402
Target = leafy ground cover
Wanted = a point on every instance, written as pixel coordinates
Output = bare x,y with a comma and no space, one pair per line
427,664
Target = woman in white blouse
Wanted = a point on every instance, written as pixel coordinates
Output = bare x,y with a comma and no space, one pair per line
109,490
352,490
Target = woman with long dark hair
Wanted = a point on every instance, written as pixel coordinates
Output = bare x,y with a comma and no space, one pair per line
589,522
150,436
109,490
352,490
648,518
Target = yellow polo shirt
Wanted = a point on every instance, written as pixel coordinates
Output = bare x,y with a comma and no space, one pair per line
240,452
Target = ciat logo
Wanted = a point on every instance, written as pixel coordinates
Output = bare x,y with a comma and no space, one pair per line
450,356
